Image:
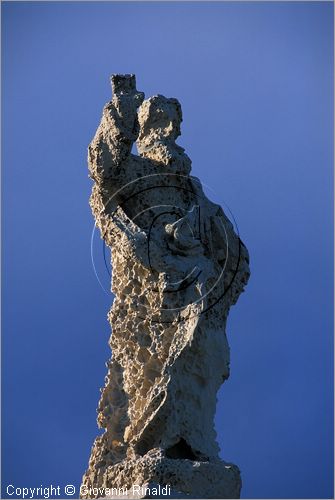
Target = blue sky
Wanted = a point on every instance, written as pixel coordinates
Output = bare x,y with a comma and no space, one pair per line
255,81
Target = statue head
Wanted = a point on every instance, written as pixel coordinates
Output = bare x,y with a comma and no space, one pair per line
159,119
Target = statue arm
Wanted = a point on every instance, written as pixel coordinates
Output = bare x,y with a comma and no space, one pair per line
116,133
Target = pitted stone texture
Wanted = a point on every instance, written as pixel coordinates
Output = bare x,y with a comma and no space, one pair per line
178,266
191,479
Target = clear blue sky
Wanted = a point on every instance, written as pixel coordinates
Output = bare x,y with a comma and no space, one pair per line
255,82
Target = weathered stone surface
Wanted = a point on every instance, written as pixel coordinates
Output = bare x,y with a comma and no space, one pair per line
186,478
178,266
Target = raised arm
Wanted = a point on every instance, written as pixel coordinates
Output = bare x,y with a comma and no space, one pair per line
117,132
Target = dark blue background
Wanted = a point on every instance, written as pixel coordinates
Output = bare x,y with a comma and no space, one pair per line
255,81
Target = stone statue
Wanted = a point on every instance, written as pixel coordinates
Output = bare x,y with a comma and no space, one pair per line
177,267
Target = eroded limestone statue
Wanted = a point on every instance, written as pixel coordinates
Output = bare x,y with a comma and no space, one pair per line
177,268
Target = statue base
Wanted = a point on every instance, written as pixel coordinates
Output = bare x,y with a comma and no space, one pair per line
155,476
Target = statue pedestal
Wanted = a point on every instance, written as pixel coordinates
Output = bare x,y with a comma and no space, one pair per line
155,476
